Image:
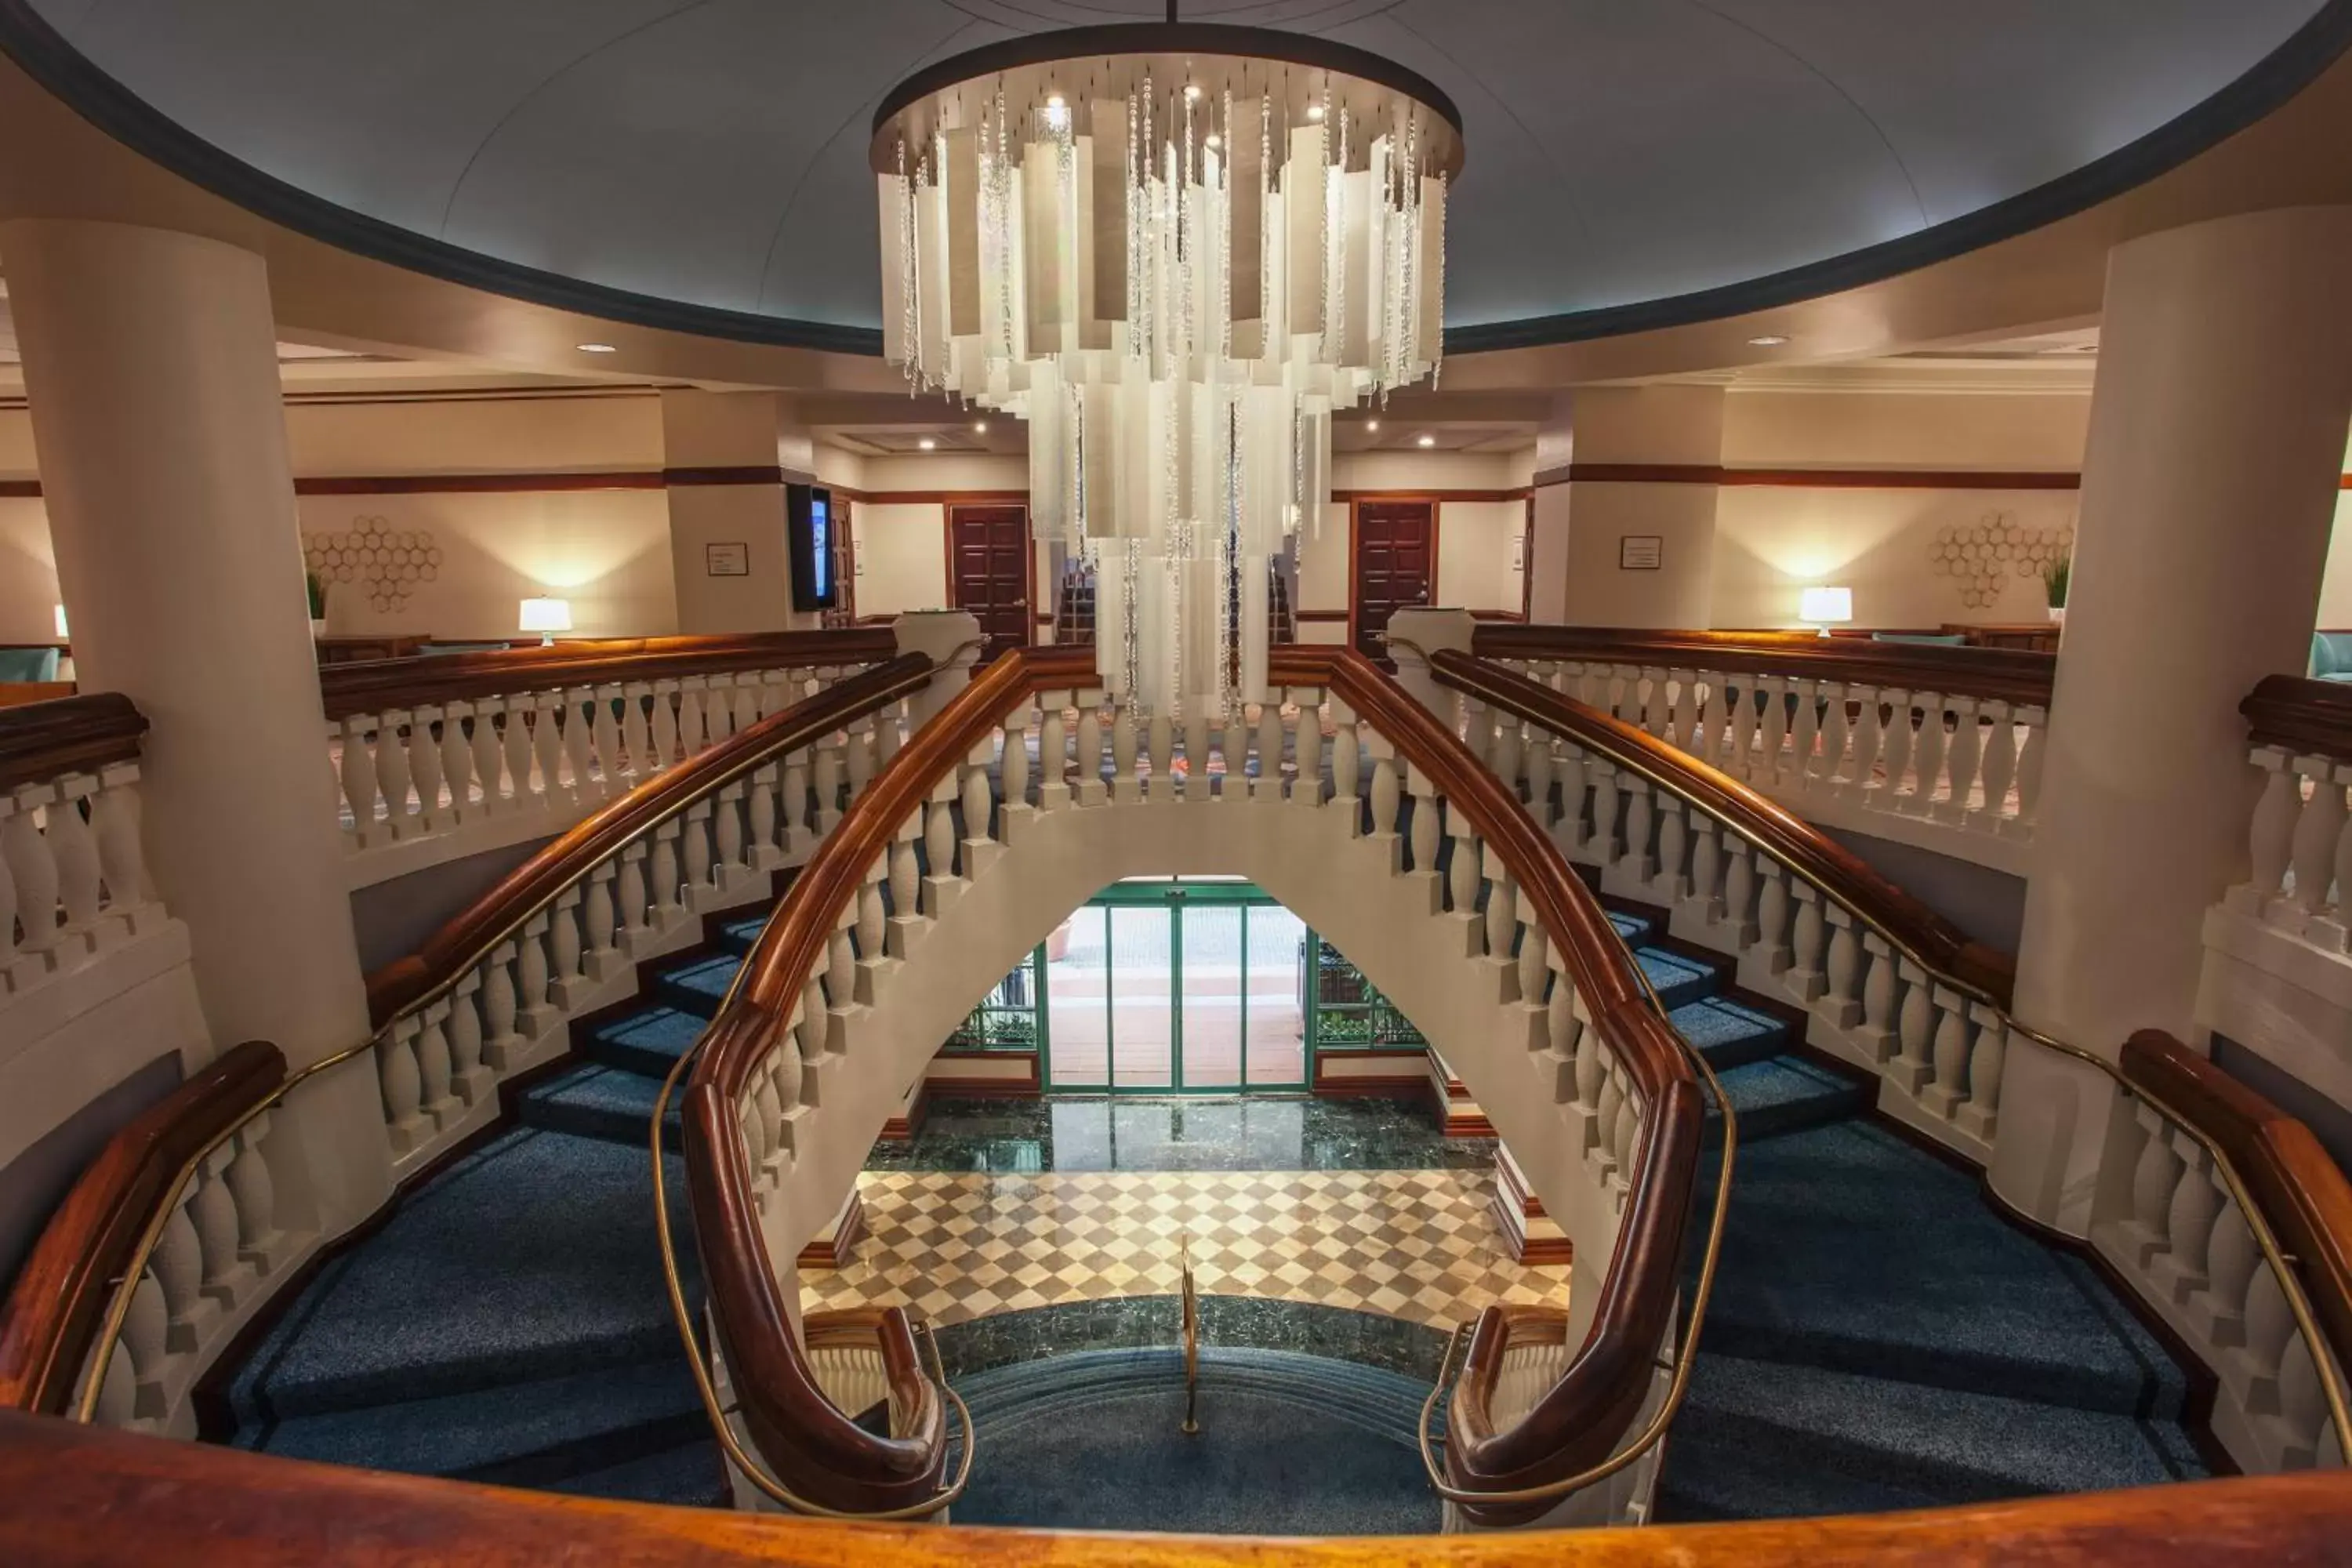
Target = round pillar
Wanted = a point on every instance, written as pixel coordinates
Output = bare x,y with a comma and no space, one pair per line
152,374
2210,483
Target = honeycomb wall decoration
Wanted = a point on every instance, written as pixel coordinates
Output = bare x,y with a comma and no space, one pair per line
1978,556
386,563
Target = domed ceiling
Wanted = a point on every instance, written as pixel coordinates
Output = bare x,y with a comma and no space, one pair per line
1632,163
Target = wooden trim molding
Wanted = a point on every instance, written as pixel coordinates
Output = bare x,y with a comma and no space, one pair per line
2006,675
2308,717
474,484
742,474
1438,497
376,686
54,1309
1320,618
39,740
1812,478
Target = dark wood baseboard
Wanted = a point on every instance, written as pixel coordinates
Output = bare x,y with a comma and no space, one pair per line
835,1250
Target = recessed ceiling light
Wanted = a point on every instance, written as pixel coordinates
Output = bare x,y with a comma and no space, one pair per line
1767,341
1313,111
1427,441
980,426
926,444
1371,424
1055,101
597,349
1215,141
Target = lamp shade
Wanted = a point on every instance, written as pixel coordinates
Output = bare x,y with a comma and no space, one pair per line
61,621
547,615
1821,606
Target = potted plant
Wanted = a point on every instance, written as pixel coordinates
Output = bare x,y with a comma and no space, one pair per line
2055,577
318,590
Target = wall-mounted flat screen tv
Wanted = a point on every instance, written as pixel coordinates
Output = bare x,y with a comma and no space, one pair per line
808,524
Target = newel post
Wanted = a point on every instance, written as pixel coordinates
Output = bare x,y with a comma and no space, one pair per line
951,638
1413,636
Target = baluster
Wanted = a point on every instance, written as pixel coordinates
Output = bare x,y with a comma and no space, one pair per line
1897,754
2336,930
1502,915
473,1078
1422,834
1775,727
668,904
1268,785
2317,827
1162,751
517,741
938,851
1639,813
1928,755
1915,1031
1826,768
391,772
1877,1036
114,817
872,920
2155,1175
425,765
2189,1223
437,1096
564,945
1988,1055
663,735
1234,747
146,1337
1772,915
827,783
1682,713
1840,1002
1196,753
1962,762
1508,751
841,964
1702,894
1613,1102
603,731
177,1264
1667,883
1124,782
504,1046
358,775
727,824
760,806
579,755
489,755
634,901
2029,769
1570,832
1090,789
695,841
1537,753
2232,1256
1463,871
1740,892
1805,735
547,746
747,703
1387,800
1534,959
2272,830
1809,943
1053,764
402,1088
693,730
598,921
1346,765
536,1015
1602,844
858,755
1950,1055
75,852
1861,771
637,759
213,1210
1998,767
457,759
34,870
792,807
1016,765
979,811
906,878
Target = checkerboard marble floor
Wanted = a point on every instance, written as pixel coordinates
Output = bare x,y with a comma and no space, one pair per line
953,1245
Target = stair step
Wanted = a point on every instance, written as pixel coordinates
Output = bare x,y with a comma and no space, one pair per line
648,1042
1952,1445
1632,928
596,1101
1782,1095
1709,1481
515,1434
699,986
534,1257
1851,1250
1729,1033
737,936
1678,979
691,1475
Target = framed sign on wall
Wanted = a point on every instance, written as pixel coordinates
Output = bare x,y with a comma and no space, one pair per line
727,559
1640,553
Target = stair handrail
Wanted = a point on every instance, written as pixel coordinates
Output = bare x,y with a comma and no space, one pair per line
372,686
82,733
2007,675
2233,1124
81,1258
783,1407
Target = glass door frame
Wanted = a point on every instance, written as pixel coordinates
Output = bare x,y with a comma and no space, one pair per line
1175,894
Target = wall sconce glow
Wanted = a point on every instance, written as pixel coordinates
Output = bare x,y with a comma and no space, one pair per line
980,426
546,617
62,620
1768,341
1371,426
928,444
1427,441
1826,607
597,349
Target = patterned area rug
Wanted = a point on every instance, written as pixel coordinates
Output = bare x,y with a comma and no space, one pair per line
951,1246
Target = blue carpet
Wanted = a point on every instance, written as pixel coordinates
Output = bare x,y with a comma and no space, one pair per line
1289,1445
1878,1337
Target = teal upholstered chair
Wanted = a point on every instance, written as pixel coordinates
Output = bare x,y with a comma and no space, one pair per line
438,647
2331,655
1924,639
19,664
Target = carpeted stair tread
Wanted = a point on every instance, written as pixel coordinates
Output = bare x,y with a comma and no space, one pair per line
1707,1481
691,1475
514,1433
1782,1095
1727,1033
737,936
1849,1249
647,1042
1954,1445
534,1257
1677,978
698,986
592,1101
1630,927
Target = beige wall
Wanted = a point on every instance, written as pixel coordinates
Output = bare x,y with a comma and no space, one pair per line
901,558
1478,563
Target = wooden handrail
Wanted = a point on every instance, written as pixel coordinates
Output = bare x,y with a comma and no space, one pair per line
2307,717
2005,675
54,1309
814,1448
461,943
81,1497
1939,945
2302,1192
373,686
39,740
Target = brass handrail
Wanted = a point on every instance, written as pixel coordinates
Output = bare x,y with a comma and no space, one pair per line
2339,1404
1663,1417
742,1457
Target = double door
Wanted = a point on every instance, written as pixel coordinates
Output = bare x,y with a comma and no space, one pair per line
1169,986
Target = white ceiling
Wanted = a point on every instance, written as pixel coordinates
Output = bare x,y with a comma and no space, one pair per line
712,151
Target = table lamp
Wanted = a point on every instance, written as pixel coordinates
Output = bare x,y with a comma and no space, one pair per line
546,617
1826,607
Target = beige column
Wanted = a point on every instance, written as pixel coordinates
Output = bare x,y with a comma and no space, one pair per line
2209,490
1640,490
152,374
726,457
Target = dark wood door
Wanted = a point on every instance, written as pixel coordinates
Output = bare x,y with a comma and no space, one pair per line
988,572
1395,558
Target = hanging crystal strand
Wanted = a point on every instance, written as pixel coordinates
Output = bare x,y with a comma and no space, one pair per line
908,276
1326,230
1127,595
1225,237
1437,279
1264,226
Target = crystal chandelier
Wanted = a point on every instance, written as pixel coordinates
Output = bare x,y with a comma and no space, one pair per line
1173,250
